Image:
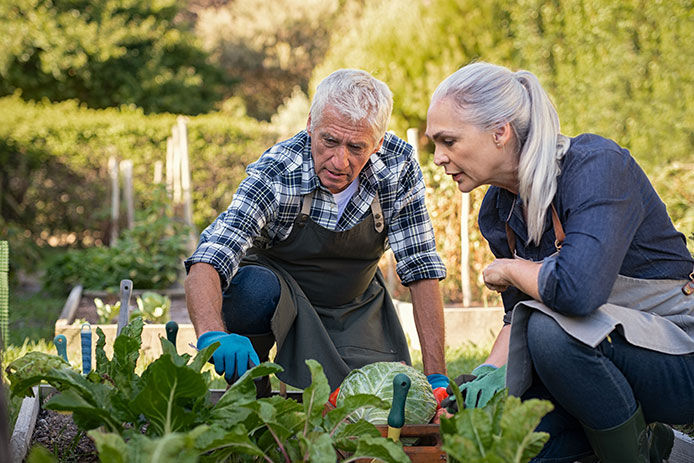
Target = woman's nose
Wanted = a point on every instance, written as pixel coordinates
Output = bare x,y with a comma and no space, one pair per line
439,157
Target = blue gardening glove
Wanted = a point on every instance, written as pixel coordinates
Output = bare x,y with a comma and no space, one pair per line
234,355
438,383
489,381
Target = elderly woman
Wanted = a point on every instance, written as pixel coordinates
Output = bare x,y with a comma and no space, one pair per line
596,282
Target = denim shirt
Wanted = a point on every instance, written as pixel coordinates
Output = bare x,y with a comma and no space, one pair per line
614,221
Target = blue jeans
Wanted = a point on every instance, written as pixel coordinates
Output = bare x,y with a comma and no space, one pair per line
250,300
601,387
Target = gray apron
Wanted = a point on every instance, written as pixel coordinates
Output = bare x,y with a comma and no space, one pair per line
652,314
333,305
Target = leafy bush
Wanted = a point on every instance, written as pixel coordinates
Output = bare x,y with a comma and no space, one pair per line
149,254
501,431
167,410
106,53
55,164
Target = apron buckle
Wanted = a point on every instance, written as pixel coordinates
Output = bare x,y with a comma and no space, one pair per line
688,288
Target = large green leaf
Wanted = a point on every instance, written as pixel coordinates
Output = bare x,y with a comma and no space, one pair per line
179,447
220,443
380,449
320,448
26,372
502,431
339,415
316,395
168,392
85,414
229,409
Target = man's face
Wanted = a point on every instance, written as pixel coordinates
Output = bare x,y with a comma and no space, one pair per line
340,149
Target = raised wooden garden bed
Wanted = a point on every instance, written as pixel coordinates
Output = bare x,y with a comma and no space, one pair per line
80,306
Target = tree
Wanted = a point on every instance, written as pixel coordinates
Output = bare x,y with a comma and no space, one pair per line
269,46
105,53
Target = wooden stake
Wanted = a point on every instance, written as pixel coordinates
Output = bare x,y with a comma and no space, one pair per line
115,198
465,249
126,168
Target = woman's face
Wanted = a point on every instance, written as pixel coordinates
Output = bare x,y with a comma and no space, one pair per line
468,154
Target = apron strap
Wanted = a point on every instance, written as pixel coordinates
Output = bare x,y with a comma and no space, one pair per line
376,210
378,213
558,233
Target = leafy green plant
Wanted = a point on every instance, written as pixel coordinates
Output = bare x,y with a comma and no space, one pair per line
166,413
500,432
106,312
153,307
149,254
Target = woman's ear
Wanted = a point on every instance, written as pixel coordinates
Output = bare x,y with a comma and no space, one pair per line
502,135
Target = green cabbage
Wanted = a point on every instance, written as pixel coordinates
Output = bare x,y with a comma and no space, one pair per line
377,379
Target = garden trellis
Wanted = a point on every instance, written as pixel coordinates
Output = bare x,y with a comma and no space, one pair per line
4,289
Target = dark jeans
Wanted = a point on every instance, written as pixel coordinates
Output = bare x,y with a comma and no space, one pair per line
250,301
602,386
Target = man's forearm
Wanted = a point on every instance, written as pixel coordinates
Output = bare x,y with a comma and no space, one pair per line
204,298
427,307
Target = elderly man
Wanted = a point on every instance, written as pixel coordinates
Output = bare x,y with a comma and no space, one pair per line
294,259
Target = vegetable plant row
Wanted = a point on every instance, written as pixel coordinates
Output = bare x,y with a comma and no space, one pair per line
166,414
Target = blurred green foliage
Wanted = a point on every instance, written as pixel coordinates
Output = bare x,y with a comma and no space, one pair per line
54,179
106,53
149,254
269,46
617,69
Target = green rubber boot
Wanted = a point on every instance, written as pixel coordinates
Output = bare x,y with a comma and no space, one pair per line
262,343
632,441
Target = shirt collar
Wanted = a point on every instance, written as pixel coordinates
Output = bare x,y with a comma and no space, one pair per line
510,207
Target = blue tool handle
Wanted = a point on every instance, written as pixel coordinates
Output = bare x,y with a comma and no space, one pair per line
86,337
60,342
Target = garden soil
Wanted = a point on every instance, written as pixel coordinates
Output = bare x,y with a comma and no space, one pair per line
59,435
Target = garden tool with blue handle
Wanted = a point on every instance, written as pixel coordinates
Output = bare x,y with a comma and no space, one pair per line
60,342
126,290
86,338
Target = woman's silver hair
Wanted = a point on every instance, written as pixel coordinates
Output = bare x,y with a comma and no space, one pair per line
489,96
356,95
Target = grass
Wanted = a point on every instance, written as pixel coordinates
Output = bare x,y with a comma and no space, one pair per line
32,316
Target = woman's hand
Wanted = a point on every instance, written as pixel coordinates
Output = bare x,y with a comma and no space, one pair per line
520,273
495,276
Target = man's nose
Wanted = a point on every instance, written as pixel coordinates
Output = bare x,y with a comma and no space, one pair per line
341,157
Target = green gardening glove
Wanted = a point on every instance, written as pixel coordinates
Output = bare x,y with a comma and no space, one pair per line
489,381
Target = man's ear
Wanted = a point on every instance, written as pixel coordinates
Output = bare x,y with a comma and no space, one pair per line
308,125
380,143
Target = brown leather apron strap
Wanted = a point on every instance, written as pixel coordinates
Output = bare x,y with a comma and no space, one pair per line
558,233
378,213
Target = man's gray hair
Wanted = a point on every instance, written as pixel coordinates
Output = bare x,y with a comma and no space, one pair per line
356,95
489,96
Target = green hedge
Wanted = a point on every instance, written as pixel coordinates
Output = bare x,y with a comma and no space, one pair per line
55,163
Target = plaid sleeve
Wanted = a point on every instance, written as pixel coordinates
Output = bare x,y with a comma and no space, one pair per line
411,235
226,240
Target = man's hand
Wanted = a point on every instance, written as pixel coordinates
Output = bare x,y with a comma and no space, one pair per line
234,355
438,383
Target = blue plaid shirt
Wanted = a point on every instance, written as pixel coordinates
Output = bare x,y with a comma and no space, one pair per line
264,207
